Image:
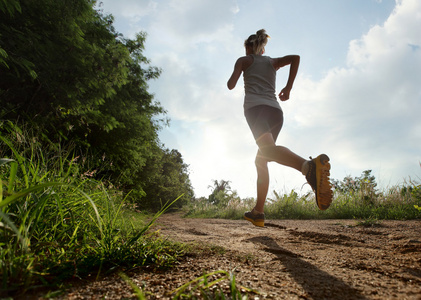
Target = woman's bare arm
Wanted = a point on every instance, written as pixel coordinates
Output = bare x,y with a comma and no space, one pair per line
240,66
294,61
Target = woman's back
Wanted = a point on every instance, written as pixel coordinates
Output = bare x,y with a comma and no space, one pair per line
260,83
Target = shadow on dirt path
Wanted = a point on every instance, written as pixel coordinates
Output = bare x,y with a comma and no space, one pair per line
317,283
314,259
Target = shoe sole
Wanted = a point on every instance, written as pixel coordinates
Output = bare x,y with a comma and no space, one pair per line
324,191
258,222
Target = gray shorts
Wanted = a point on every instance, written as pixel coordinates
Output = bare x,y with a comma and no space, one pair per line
263,119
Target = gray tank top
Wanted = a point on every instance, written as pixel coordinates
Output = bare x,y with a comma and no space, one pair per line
260,83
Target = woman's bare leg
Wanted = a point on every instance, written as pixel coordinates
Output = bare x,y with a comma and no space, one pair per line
280,154
268,151
262,181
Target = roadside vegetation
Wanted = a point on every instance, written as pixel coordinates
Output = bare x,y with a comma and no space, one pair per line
354,198
57,223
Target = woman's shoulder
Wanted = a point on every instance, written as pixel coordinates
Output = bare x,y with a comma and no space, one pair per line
245,61
246,58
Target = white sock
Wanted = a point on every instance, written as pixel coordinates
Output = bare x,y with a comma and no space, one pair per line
305,168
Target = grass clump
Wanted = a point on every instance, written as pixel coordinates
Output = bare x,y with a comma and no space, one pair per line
209,287
58,223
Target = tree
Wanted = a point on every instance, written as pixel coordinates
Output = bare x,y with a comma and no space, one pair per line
66,71
8,9
166,178
220,190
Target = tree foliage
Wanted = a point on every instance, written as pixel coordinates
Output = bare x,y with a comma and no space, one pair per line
364,185
66,71
221,192
166,175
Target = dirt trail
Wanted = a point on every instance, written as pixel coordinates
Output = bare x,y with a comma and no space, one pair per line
288,259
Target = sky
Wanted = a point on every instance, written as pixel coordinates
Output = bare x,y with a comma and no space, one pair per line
357,95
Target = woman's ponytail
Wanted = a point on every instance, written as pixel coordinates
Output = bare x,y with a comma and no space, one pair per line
257,41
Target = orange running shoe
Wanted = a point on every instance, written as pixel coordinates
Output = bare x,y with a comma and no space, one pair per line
318,178
256,219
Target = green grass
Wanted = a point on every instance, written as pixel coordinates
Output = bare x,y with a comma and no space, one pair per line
396,203
57,223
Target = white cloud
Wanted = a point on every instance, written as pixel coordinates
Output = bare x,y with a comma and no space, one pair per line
368,111
183,24
131,10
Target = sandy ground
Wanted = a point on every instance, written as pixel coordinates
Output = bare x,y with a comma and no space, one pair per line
288,259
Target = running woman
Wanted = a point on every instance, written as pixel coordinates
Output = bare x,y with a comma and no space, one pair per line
265,119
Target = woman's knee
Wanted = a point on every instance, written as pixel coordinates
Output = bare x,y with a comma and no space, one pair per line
269,153
260,161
